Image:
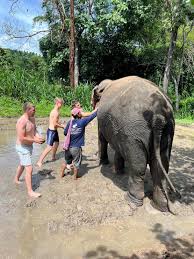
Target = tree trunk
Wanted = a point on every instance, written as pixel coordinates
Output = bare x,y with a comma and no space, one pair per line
72,45
166,77
76,72
176,84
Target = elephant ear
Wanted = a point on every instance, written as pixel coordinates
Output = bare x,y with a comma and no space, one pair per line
99,89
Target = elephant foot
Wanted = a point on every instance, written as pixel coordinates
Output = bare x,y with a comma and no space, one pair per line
104,161
151,210
162,208
132,201
175,207
120,171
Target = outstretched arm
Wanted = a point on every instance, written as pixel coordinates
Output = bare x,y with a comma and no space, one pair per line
86,114
90,117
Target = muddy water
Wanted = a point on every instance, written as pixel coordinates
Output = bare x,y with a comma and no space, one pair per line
89,218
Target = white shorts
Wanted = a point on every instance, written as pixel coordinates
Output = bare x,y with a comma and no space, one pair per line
25,154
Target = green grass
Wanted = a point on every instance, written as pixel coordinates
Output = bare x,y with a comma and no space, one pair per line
10,107
184,121
44,108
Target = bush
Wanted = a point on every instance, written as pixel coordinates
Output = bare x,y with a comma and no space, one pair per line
44,101
186,108
23,86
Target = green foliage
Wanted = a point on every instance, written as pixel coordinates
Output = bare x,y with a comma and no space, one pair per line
44,108
187,108
23,77
183,121
81,93
9,107
114,39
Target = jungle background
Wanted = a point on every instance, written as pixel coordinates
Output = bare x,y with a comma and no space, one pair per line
89,41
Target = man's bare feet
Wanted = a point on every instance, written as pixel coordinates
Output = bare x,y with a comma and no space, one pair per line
76,177
62,174
39,164
33,194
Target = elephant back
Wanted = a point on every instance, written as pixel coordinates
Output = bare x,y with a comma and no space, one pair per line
130,106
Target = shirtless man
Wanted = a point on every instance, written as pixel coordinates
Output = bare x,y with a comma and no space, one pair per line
26,136
52,133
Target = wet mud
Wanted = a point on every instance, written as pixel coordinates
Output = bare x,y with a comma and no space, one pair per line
89,218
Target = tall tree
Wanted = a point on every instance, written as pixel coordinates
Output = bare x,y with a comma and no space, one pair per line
178,14
72,45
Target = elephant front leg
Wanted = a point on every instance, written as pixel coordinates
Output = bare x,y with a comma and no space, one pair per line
119,163
102,147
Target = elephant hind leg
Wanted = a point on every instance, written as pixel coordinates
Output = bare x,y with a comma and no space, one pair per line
119,163
137,168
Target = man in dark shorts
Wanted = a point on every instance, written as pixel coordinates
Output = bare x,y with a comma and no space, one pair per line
52,133
75,135
51,137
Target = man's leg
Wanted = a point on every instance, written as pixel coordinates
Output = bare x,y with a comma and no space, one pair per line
43,155
77,158
75,170
63,167
28,179
19,172
54,150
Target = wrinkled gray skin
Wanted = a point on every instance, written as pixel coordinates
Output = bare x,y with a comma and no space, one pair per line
136,119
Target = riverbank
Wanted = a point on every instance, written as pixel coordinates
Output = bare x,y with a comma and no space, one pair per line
12,109
9,123
89,218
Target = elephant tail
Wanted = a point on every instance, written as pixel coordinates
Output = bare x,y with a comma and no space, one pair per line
159,124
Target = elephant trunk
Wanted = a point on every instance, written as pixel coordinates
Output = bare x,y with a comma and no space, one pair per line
95,98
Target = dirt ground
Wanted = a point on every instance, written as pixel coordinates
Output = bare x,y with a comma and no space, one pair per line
89,218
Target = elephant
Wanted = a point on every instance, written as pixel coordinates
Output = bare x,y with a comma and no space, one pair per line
136,119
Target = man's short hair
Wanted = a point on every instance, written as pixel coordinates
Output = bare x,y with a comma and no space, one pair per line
73,103
27,106
60,100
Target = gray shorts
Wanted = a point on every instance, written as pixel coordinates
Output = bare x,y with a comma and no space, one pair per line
25,154
73,155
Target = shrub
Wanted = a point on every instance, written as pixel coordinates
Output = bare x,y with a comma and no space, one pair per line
186,107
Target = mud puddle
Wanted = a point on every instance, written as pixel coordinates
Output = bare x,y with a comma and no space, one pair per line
89,218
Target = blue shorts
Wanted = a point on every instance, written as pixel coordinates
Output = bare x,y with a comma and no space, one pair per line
52,136
25,154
